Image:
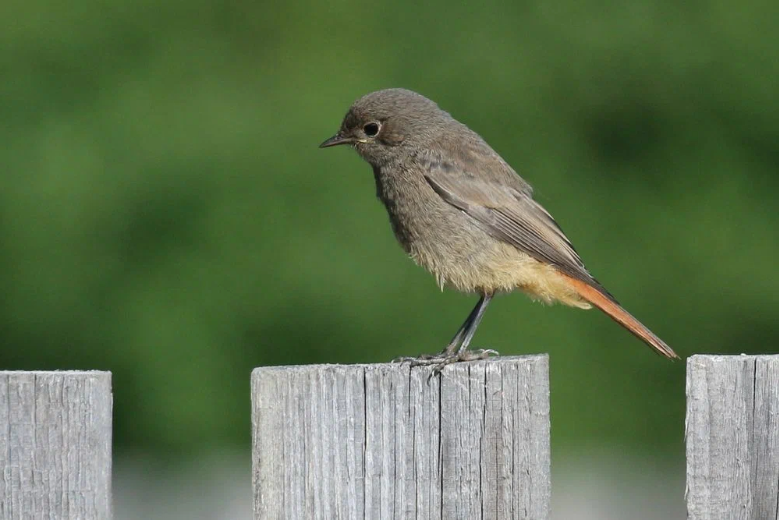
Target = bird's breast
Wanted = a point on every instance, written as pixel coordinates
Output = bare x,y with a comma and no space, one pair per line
436,235
416,212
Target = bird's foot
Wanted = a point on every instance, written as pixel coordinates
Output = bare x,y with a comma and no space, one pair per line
442,359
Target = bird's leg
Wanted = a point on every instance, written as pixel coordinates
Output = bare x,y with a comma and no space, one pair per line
471,329
456,350
457,339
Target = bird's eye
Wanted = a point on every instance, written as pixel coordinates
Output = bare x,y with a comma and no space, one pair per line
371,129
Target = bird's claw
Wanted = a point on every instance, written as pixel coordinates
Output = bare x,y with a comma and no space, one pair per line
441,360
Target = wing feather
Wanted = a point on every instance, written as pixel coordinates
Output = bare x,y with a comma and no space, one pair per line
504,207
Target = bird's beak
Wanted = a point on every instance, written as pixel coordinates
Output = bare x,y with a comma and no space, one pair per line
336,140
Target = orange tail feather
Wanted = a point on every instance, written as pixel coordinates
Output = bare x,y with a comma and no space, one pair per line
620,315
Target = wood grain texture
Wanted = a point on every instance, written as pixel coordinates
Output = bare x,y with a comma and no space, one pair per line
55,445
385,441
731,433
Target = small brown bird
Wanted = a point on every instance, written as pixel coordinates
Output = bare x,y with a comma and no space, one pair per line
460,211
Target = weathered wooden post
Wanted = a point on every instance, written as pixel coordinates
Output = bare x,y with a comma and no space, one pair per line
55,445
731,433
387,441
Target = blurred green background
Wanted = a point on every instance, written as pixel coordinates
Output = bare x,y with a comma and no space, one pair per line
165,212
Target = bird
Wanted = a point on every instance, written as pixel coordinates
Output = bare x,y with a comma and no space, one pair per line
460,211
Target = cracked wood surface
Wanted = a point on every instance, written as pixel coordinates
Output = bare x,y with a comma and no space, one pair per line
731,433
55,445
384,441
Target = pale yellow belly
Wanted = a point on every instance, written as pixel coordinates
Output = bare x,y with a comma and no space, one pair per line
502,268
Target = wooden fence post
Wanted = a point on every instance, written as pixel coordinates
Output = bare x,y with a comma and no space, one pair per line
55,445
385,441
731,433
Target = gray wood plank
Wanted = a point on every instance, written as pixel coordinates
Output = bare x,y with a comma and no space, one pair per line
55,445
386,441
731,433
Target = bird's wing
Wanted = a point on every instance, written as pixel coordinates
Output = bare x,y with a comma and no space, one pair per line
503,207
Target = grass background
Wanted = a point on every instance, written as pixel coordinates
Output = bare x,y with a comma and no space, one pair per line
165,212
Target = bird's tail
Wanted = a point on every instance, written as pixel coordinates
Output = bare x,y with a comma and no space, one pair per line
620,315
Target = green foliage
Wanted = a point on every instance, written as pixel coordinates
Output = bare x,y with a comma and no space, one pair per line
165,212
